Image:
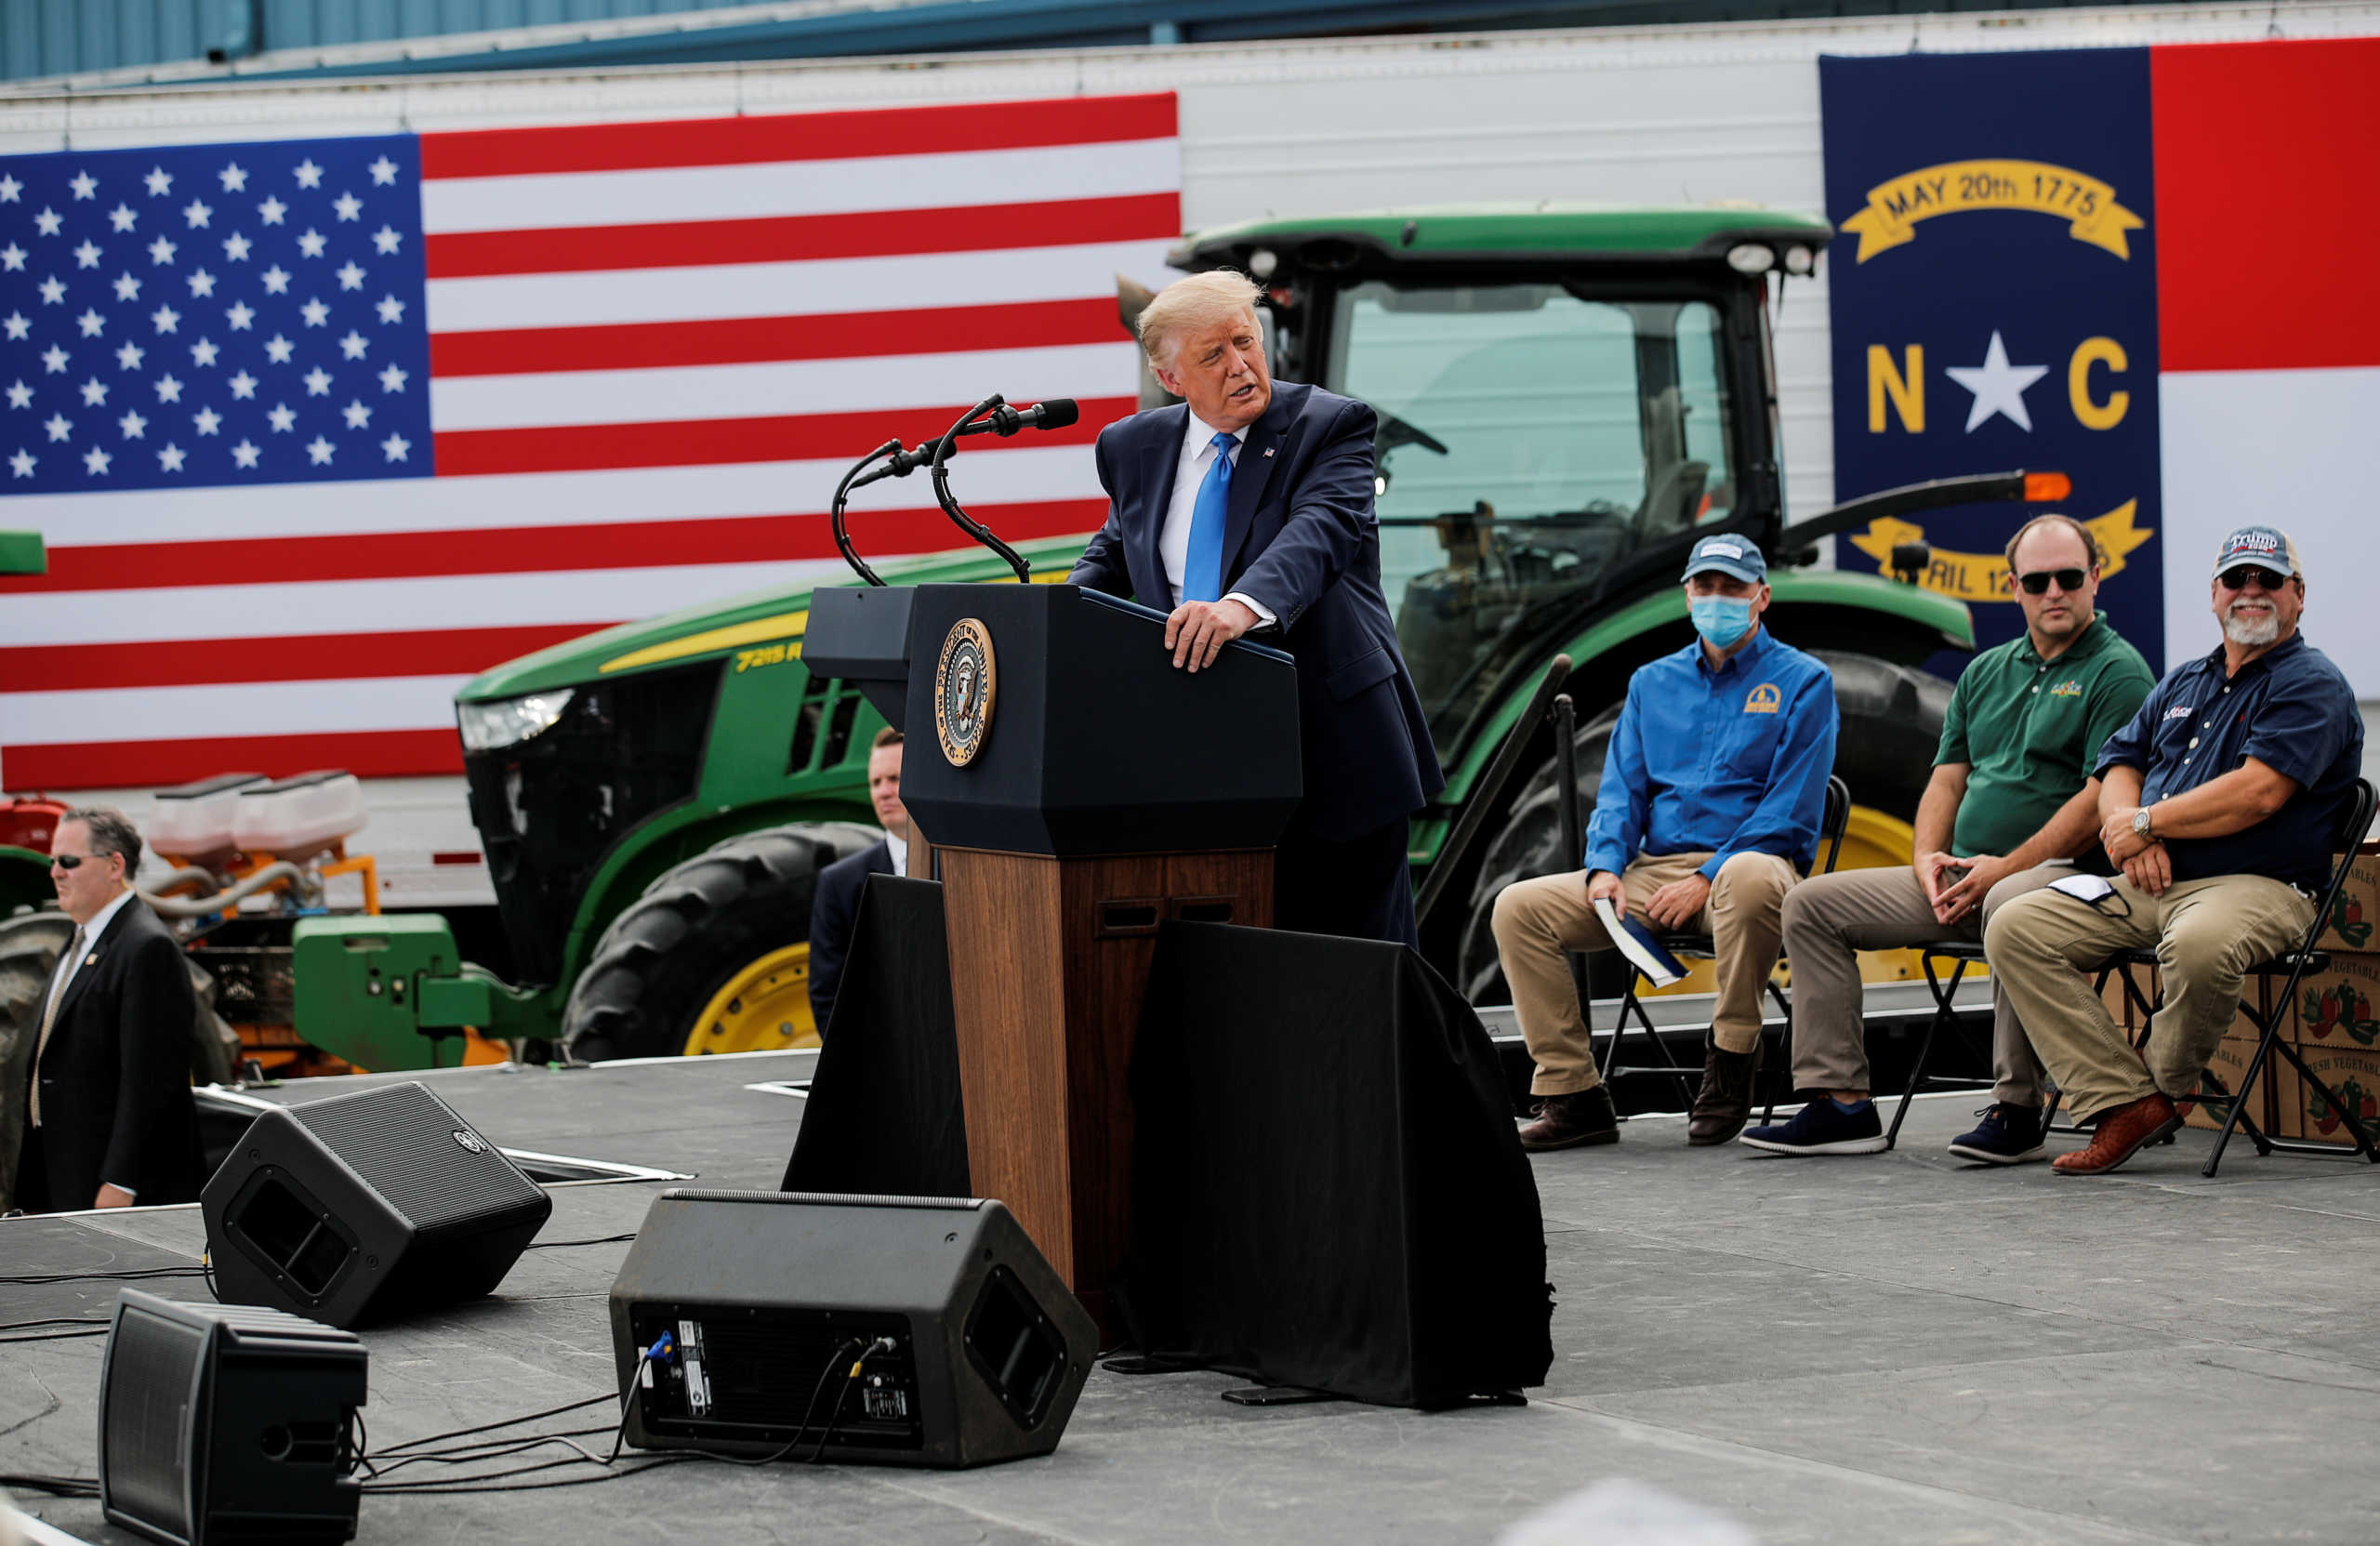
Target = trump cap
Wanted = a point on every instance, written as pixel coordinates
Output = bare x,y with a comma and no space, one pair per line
2266,547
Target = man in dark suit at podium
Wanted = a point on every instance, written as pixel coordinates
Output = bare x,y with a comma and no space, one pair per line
1247,509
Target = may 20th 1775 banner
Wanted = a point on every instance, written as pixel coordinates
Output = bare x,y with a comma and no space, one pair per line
1994,306
2146,267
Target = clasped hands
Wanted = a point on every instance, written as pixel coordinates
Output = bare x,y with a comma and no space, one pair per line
1674,907
1196,631
1953,900
2143,860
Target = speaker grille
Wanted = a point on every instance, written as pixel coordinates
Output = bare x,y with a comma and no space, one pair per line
151,1361
401,1139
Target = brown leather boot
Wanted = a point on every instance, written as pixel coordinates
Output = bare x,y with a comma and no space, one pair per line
1723,1103
1572,1121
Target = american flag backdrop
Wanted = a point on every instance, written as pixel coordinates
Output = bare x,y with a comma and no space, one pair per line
316,429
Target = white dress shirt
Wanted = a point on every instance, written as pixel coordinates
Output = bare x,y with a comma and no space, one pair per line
900,847
1198,454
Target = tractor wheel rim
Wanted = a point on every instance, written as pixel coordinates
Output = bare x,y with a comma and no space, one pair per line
762,1007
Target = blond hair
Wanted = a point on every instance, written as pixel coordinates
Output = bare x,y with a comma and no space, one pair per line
1201,300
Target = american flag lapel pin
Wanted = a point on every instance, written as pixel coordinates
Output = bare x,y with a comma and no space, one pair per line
1268,452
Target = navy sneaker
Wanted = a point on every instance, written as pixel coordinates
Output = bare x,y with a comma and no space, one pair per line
2008,1135
1823,1128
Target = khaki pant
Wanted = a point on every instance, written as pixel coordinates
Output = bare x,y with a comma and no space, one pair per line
1829,917
1539,922
2206,933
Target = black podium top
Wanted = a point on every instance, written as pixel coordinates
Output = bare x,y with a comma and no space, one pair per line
1093,743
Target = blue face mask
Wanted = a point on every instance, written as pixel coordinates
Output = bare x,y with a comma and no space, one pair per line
1721,620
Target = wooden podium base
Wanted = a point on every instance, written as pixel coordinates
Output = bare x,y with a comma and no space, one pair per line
1049,961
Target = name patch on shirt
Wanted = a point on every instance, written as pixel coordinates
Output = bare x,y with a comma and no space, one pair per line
2179,711
1763,699
2066,689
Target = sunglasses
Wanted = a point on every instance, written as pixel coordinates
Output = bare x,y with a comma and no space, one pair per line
2037,583
70,861
2242,575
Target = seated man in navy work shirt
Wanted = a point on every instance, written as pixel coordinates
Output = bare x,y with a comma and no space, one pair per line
1712,790
2219,802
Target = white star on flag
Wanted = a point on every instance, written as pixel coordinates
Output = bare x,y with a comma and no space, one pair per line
350,276
167,319
308,175
358,416
169,459
320,451
392,380
353,345
58,426
85,185
133,426
206,420
48,220
161,251
1999,387
385,239
279,350
21,463
202,284
96,461
392,310
18,325
310,244
158,179
347,205
126,287
90,322
12,257
130,357
240,315
272,211
282,417
170,390
384,172
52,290
314,312
94,393
244,385
86,256
10,188
197,214
244,454
19,395
235,248
122,218
396,446
53,361
318,382
204,351
235,178
276,281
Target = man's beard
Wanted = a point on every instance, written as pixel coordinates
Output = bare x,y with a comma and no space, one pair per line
2240,631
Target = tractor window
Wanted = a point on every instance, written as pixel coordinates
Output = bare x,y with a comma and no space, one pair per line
1529,441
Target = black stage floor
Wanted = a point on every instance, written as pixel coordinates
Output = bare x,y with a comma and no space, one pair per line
1899,1349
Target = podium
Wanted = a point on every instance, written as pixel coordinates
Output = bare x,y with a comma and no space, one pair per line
1079,791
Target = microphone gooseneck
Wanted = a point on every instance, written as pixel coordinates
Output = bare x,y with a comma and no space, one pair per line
842,498
942,494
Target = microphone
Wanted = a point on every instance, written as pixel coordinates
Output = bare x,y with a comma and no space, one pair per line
1004,421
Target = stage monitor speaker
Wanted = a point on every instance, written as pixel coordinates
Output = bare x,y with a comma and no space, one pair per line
365,1207
924,1332
225,1422
1328,1187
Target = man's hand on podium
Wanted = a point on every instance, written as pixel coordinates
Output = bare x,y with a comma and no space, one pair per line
1197,631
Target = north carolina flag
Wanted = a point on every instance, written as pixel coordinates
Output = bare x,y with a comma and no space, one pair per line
317,430
2270,376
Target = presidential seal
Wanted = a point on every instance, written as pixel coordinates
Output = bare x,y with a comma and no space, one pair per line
963,685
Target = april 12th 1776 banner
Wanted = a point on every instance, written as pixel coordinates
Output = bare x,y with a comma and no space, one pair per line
1994,306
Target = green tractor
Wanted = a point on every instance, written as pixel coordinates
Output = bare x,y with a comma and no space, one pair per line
1568,398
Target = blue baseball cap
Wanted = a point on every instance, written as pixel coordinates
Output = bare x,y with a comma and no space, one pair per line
1725,553
2266,547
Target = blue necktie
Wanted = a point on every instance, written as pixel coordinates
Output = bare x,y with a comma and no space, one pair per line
1202,567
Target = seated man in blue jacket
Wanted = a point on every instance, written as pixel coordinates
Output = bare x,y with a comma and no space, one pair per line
1713,791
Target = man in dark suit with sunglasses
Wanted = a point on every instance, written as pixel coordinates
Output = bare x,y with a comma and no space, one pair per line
2010,803
2219,802
109,1117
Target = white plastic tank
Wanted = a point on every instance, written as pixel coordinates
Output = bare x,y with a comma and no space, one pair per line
295,817
194,820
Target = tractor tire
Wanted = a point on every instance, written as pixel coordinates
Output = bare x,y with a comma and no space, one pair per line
696,928
1891,725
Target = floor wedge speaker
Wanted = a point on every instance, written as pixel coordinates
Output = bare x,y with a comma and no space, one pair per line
365,1207
924,1332
226,1423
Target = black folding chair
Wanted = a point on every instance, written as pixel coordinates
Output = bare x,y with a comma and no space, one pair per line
2289,968
1832,822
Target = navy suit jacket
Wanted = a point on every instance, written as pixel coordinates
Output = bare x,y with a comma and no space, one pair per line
115,1099
833,914
1301,538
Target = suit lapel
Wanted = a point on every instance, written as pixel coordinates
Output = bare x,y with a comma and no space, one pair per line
1161,460
1249,473
95,954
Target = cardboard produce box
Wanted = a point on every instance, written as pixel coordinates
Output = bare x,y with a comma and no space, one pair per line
2353,1074
2339,1007
2355,916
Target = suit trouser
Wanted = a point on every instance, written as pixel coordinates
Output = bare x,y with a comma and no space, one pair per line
32,1175
1357,888
1539,922
2207,934
1829,917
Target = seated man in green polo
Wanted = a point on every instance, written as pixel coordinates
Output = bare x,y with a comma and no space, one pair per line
2011,802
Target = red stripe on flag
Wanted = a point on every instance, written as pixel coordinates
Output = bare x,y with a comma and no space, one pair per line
319,657
796,137
127,765
503,551
786,238
2267,229
840,336
468,452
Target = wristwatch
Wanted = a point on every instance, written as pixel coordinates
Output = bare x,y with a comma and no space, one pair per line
2141,824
